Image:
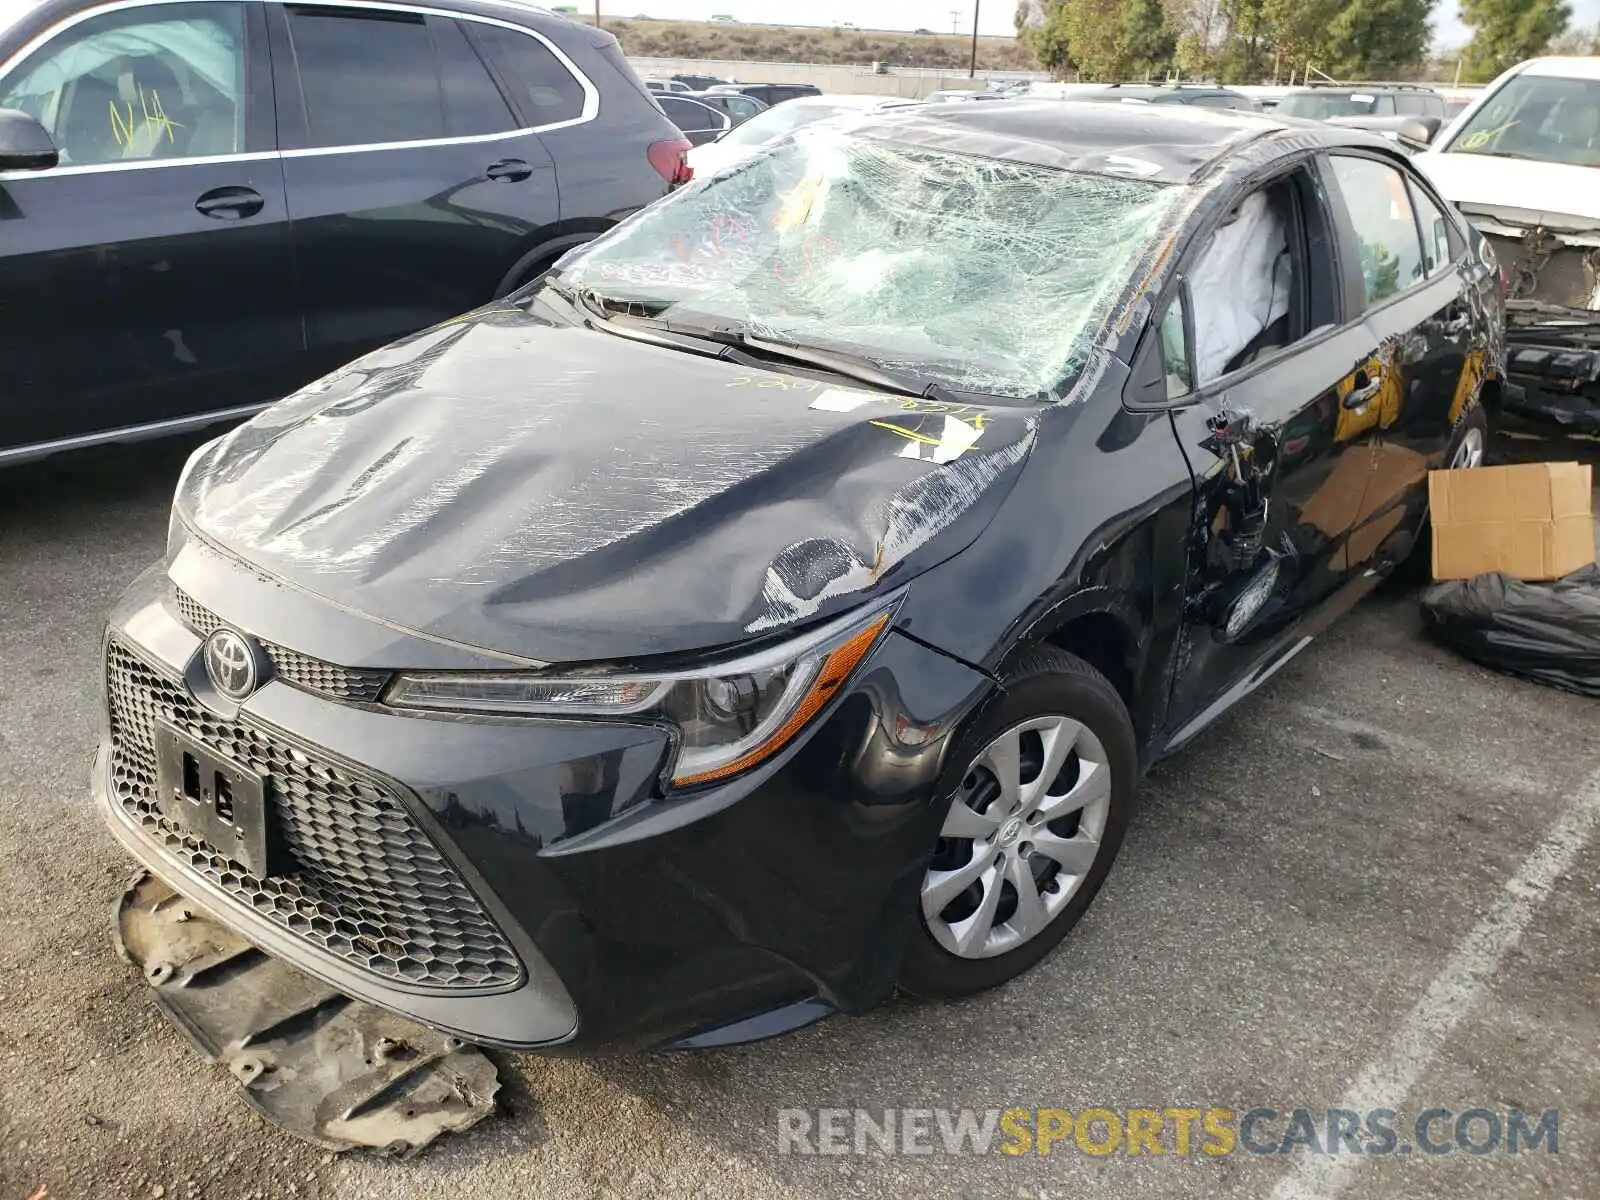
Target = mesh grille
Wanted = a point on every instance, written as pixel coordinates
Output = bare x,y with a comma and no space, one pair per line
366,884
301,670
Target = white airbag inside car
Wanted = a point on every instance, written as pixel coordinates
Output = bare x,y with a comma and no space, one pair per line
1240,285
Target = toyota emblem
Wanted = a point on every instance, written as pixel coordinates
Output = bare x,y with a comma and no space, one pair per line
232,664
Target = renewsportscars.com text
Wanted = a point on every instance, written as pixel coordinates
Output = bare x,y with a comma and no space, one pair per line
1432,1132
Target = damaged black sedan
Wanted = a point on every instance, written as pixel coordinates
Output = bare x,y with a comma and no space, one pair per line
778,604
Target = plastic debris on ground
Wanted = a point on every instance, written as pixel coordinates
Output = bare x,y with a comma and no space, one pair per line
1546,632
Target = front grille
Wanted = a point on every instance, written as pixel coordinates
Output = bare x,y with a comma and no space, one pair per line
366,883
291,666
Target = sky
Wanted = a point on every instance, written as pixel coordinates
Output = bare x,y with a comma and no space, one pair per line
995,15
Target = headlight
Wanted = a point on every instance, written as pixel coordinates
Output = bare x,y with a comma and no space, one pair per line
730,715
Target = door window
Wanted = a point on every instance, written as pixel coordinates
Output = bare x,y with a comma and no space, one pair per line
1380,210
691,117
541,85
368,77
1412,103
473,104
1173,338
161,81
1437,253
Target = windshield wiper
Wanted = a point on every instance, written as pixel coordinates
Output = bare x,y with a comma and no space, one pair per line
751,350
755,350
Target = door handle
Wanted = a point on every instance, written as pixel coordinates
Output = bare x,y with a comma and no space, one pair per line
509,170
230,203
1367,385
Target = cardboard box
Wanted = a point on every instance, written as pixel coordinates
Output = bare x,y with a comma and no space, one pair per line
1533,521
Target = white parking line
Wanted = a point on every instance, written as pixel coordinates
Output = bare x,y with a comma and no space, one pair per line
1454,992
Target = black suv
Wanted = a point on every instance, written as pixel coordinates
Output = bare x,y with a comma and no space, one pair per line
770,93
1319,103
207,204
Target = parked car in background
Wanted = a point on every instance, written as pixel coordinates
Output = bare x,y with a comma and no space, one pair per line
1319,102
769,93
699,122
1183,93
780,603
779,122
1523,165
737,105
1411,134
666,85
206,204
699,83
959,96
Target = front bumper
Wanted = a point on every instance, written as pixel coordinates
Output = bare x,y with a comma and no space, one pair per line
522,882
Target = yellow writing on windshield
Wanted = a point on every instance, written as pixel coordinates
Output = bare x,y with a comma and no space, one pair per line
1484,136
125,124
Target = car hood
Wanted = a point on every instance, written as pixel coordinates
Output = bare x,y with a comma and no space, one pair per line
557,494
1555,189
712,157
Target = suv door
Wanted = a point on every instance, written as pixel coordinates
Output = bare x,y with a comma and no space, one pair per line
412,187
145,280
1276,491
1415,302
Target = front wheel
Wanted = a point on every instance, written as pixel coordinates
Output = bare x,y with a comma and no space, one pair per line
1031,831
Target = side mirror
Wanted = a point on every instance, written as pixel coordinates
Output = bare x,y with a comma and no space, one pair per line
1419,131
24,144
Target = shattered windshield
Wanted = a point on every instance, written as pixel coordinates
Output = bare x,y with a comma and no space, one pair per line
1543,117
976,273
776,122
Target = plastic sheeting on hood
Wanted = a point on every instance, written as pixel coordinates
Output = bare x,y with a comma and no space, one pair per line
1547,632
1240,284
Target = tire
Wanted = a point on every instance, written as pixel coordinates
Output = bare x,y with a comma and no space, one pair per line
1042,685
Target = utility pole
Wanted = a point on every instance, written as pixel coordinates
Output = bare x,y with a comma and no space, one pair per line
972,69
597,14
955,21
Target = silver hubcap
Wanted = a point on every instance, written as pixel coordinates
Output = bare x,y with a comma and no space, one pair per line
1470,452
1023,832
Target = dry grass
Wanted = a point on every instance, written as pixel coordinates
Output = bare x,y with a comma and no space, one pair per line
768,43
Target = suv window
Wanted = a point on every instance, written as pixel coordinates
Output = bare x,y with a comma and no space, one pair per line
367,76
1379,203
162,81
472,102
545,91
1546,117
690,115
1412,103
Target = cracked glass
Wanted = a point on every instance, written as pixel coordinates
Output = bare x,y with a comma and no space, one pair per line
985,275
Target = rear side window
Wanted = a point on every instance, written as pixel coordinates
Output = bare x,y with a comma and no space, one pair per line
1412,103
1379,203
473,104
543,88
367,77
689,116
1437,252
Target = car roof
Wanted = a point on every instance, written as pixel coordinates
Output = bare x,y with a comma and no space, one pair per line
1365,89
33,17
1567,68
1163,143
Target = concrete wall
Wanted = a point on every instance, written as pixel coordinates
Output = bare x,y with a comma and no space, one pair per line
910,82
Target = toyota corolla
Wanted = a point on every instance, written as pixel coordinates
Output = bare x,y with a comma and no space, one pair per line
778,603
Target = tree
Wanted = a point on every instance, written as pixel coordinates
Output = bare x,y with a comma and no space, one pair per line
1504,32
1374,39
1145,38
1050,42
1244,53
1578,43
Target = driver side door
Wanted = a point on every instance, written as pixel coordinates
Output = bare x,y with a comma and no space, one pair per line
145,281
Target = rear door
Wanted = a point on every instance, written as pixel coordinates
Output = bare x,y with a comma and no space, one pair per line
1415,298
413,186
146,279
1277,490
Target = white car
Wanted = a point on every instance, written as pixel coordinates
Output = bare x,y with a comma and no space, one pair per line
779,121
1522,164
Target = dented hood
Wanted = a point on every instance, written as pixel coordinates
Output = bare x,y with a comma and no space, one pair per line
559,494
1556,193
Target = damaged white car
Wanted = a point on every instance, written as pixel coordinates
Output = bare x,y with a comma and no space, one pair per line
1523,165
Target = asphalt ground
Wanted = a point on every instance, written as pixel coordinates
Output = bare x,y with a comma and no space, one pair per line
1376,884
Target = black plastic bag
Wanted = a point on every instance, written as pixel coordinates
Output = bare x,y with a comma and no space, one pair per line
1547,632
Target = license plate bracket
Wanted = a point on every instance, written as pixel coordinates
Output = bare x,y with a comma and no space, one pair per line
214,798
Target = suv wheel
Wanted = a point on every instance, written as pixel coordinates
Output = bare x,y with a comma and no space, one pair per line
1031,831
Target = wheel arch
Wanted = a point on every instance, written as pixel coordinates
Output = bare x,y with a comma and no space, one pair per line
552,242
